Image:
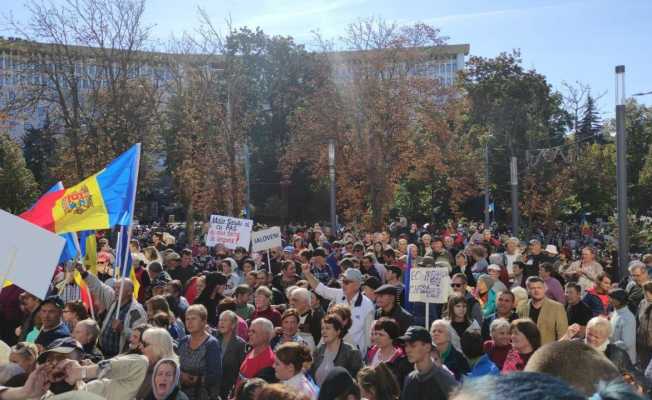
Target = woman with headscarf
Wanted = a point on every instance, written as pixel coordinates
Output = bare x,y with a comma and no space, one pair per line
165,381
485,294
447,342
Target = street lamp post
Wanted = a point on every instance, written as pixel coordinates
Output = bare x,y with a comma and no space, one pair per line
513,169
331,173
621,173
486,185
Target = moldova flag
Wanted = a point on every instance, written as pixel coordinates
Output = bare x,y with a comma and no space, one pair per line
101,201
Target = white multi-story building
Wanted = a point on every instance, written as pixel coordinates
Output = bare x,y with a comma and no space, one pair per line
441,62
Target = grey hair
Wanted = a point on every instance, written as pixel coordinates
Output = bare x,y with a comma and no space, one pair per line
266,324
498,323
303,293
636,264
496,259
232,316
92,329
601,323
453,337
161,343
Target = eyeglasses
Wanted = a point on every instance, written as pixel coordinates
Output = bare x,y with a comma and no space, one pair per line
457,285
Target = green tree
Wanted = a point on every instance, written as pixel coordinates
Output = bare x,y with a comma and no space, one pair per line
516,109
39,149
19,188
590,125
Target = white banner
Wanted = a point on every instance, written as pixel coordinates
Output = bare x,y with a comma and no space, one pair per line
229,231
28,254
429,285
266,239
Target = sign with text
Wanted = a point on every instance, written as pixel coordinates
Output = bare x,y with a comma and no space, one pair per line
229,231
429,285
266,239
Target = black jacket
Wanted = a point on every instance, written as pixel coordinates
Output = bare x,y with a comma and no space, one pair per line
400,315
456,363
435,384
232,356
347,357
312,324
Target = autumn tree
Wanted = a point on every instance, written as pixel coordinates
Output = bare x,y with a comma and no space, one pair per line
369,107
85,63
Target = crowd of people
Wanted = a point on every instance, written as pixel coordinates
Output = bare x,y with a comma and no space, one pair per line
329,317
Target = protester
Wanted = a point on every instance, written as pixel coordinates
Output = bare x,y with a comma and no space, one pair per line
637,277
386,350
427,381
200,357
260,360
73,312
548,315
644,327
473,309
233,351
577,311
263,301
449,348
505,305
87,332
155,344
554,290
165,381
378,383
388,306
526,339
211,295
291,360
53,327
623,323
500,344
334,352
23,355
310,318
457,315
597,297
339,384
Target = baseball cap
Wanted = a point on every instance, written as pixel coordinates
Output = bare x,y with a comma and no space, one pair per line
618,294
352,274
56,300
372,282
416,334
288,249
62,346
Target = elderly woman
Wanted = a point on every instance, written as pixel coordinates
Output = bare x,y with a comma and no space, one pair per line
86,333
334,352
500,343
200,357
289,366
598,331
233,351
73,312
165,381
263,302
447,342
385,350
24,356
526,338
155,344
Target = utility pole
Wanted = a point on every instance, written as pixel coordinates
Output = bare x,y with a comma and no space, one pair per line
513,169
486,185
331,173
621,173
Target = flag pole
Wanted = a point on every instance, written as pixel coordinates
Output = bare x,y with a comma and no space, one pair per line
123,260
75,241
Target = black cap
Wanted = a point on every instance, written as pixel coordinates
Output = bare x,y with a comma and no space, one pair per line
372,282
416,334
395,269
319,252
387,289
56,300
216,278
618,294
62,346
337,383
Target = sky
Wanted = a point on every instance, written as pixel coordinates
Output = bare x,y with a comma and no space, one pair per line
567,41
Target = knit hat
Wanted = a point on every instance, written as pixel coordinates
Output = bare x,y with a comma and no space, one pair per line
338,382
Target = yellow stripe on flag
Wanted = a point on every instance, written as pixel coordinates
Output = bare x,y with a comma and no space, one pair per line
81,208
134,280
90,259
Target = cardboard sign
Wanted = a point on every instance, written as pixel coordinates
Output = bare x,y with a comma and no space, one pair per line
28,254
429,285
266,239
229,231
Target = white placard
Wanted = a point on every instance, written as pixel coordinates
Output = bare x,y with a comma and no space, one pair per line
429,285
229,231
28,254
266,239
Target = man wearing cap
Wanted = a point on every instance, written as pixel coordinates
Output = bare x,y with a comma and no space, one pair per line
623,323
393,277
369,286
116,329
362,309
428,381
319,268
52,327
388,306
185,269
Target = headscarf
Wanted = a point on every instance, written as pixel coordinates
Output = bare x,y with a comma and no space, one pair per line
177,375
487,280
